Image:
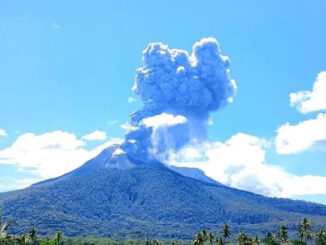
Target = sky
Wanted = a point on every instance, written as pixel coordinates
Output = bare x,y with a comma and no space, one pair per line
67,68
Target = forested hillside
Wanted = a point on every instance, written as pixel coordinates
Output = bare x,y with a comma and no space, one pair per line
150,201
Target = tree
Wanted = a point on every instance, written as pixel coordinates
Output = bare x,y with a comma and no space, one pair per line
58,237
243,239
210,237
33,235
269,236
256,241
282,234
156,242
199,238
304,230
219,241
205,235
226,231
148,242
320,237
21,240
269,239
4,227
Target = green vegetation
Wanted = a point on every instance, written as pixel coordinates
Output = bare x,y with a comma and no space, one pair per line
305,236
148,202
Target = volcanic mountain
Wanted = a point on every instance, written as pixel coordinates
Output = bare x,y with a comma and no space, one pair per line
116,195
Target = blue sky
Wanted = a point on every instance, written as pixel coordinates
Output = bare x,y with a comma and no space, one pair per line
69,67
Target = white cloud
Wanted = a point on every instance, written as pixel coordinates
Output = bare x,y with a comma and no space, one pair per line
9,183
240,163
50,154
96,135
302,136
131,99
127,127
164,120
315,100
159,121
3,132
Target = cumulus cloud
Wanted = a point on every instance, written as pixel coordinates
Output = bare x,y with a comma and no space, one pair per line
96,135
240,162
50,154
309,101
9,183
302,136
163,119
127,127
3,132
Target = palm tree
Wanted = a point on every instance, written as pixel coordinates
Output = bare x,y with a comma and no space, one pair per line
21,240
156,242
226,231
4,227
320,237
58,237
243,239
210,237
148,242
33,235
269,239
256,241
199,238
219,241
269,235
304,230
282,234
205,235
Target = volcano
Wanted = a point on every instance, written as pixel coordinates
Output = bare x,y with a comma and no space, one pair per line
125,192
116,195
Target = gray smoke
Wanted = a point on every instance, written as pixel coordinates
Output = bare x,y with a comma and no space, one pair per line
173,83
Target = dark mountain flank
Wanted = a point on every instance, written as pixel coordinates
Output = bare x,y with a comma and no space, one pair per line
114,195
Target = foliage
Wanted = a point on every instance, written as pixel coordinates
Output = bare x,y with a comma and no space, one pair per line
269,239
282,234
151,201
147,202
320,237
203,237
4,227
226,231
304,230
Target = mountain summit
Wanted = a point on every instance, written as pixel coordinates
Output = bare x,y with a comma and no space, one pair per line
114,157
115,195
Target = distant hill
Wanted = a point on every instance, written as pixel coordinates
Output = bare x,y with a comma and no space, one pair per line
194,173
114,195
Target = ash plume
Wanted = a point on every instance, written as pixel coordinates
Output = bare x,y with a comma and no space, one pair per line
178,91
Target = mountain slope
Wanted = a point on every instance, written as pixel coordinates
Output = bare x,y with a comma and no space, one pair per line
194,173
145,200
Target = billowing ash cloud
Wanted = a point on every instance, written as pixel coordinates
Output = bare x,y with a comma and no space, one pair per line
173,81
174,84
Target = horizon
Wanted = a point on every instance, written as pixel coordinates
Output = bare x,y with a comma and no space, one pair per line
66,90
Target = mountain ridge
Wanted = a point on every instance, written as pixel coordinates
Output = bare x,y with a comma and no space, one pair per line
148,199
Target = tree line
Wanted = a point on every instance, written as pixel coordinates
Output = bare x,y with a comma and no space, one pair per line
304,232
